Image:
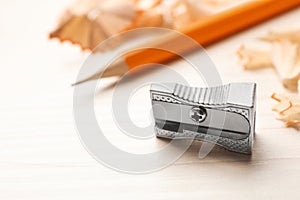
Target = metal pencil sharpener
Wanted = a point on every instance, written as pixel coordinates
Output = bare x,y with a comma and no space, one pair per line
223,115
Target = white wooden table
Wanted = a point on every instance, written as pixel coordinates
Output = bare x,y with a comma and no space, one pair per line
41,156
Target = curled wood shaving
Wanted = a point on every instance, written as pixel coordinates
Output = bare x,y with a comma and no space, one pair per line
88,23
149,18
286,60
253,58
288,108
284,56
291,35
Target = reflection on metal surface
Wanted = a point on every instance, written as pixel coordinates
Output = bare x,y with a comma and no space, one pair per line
224,115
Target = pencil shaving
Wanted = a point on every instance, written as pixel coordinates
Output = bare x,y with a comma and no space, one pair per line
286,60
88,23
284,56
150,18
288,108
290,35
252,58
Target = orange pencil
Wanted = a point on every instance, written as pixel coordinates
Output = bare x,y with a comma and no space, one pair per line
205,32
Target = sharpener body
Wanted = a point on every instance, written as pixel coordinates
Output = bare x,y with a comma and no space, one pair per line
224,115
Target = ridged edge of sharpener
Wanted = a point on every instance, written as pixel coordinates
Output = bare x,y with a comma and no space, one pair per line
239,146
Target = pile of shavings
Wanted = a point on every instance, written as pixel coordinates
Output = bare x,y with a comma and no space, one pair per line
288,108
89,22
283,55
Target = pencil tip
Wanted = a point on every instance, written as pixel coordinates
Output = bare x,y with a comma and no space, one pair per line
114,70
77,83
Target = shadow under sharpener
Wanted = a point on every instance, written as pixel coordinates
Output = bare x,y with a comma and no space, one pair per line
223,115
